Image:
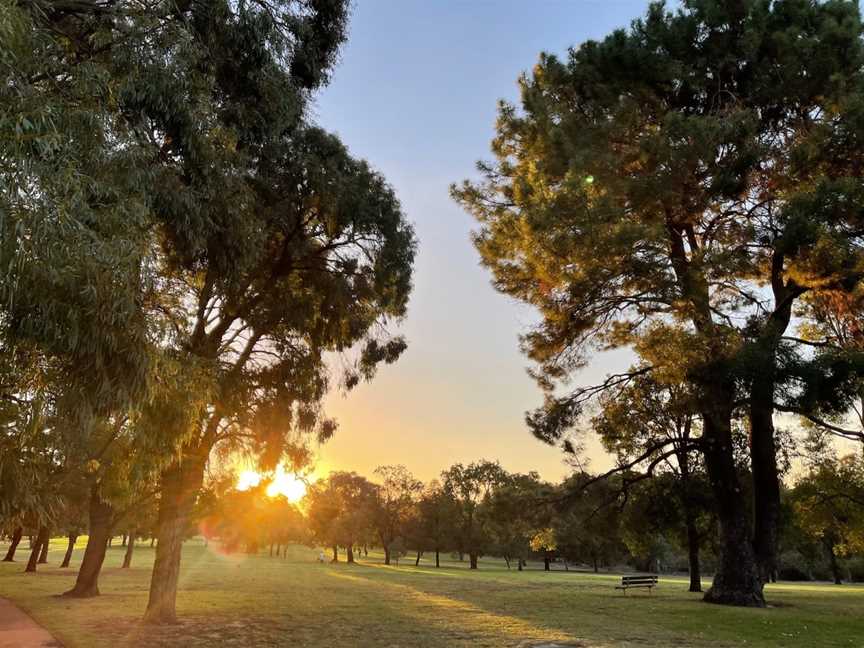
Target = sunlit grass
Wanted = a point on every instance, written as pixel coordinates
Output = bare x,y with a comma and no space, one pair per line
240,600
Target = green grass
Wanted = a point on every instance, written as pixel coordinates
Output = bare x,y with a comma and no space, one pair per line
241,600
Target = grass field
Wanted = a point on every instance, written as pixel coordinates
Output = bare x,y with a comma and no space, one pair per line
241,600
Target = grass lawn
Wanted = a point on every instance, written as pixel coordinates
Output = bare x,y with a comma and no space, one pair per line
241,600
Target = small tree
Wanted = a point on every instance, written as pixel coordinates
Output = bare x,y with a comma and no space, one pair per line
545,542
471,487
435,521
395,498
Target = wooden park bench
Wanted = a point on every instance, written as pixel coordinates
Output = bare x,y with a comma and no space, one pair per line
637,581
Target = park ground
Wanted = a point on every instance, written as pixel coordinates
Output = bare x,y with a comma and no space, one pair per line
242,600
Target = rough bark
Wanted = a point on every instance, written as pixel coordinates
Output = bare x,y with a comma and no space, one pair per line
736,580
16,539
130,547
67,558
41,538
179,487
101,518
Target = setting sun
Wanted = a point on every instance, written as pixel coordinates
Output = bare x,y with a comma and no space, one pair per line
282,483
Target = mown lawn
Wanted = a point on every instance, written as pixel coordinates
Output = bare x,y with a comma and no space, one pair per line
241,600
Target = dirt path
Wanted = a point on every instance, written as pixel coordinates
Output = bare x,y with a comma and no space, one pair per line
17,630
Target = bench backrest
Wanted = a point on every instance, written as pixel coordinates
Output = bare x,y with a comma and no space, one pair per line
638,580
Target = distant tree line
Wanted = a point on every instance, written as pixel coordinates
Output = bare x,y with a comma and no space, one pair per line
480,509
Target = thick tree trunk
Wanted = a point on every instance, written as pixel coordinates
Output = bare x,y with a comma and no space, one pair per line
507,560
437,558
596,565
472,561
736,580
67,558
349,553
766,481
41,538
43,554
417,561
100,514
16,539
519,566
179,488
386,555
123,542
130,547
546,564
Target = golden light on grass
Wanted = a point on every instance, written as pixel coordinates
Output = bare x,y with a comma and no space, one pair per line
281,483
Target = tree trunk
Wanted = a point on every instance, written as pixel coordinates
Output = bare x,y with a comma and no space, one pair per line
690,517
271,549
123,543
179,488
437,558
152,542
16,539
100,514
596,565
472,561
832,561
546,565
130,547
736,580
43,554
73,538
349,553
41,538
417,561
766,481
386,555
519,564
763,448
507,560
693,554
335,554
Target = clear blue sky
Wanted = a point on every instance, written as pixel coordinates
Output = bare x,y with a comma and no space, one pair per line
415,93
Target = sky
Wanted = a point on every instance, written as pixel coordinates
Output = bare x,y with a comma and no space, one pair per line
415,93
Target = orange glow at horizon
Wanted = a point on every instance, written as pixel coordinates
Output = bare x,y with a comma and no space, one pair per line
282,483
